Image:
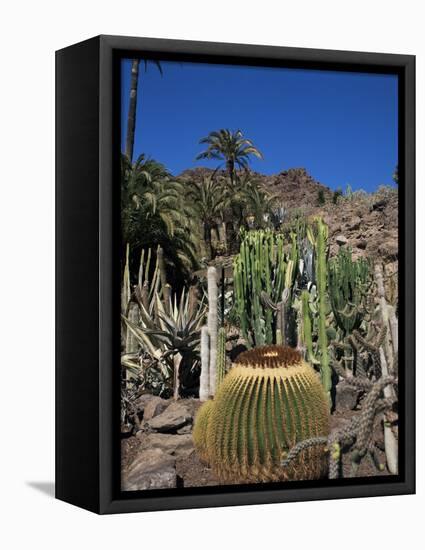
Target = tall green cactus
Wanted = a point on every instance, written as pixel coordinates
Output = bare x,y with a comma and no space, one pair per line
259,267
348,282
306,326
269,401
318,235
221,356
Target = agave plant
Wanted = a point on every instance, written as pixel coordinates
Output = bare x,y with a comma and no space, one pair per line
170,332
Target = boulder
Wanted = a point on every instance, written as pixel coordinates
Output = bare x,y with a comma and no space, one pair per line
185,430
154,406
172,444
141,402
175,416
152,469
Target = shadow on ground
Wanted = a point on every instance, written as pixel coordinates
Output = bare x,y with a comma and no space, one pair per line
46,487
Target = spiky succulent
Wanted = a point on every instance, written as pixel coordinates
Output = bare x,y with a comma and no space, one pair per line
269,401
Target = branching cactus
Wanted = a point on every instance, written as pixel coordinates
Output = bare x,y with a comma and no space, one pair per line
349,283
269,401
260,273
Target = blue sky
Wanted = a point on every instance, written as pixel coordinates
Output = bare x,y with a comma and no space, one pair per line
341,127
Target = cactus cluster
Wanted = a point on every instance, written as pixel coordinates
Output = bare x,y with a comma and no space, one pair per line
348,289
262,271
268,402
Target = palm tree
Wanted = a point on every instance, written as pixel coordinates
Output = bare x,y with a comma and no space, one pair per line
154,212
257,203
230,146
131,117
208,199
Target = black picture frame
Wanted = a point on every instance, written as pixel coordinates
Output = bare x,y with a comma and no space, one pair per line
87,283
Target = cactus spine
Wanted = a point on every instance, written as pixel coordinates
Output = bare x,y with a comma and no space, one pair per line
270,400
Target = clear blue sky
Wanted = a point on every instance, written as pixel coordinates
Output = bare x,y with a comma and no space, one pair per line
342,127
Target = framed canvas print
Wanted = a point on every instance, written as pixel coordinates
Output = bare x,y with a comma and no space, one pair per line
235,274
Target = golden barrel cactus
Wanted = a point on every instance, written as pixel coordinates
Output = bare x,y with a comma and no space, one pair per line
199,433
269,401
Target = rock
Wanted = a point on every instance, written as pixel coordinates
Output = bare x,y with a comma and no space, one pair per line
185,430
389,249
380,205
152,469
141,402
155,406
347,397
355,223
341,240
172,418
172,444
126,430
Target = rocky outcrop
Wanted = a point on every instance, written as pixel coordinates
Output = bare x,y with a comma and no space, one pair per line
368,221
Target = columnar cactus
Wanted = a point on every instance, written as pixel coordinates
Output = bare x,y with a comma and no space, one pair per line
318,235
212,325
221,356
204,380
258,269
269,401
348,283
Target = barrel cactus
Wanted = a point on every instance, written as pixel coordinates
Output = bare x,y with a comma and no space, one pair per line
269,401
200,429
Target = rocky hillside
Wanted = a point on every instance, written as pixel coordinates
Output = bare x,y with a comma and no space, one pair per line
368,222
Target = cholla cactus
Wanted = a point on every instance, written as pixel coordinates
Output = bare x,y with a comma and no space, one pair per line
270,400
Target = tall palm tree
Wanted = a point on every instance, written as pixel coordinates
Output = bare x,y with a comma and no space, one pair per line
132,106
230,146
257,203
208,199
